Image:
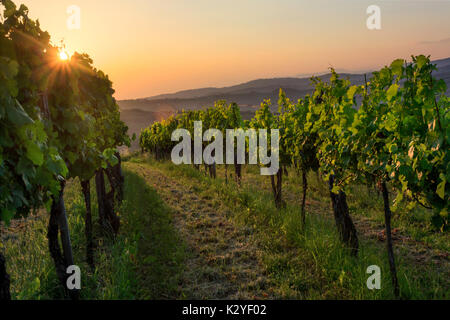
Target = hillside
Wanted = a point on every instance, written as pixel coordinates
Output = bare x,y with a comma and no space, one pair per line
248,95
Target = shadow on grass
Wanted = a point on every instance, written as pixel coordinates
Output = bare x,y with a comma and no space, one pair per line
143,262
160,251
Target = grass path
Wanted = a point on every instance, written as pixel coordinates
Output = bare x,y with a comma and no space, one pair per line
222,261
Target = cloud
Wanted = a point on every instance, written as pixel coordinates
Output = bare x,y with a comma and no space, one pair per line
442,41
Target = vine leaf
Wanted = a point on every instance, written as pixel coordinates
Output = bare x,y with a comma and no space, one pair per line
35,154
17,115
440,190
392,91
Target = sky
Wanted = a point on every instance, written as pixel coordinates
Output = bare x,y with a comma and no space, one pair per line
150,47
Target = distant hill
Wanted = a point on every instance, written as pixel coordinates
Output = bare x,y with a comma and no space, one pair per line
443,71
140,113
247,95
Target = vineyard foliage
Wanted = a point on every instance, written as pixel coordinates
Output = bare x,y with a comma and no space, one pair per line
58,119
394,129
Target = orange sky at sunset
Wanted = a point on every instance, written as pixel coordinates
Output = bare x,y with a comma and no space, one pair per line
150,47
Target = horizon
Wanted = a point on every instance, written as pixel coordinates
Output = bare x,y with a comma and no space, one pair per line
159,47
305,76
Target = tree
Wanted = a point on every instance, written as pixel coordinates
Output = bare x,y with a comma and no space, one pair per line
48,115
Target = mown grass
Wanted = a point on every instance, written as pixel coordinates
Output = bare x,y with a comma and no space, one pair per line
314,264
142,262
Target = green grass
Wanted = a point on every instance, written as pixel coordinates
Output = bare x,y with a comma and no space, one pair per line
142,262
311,265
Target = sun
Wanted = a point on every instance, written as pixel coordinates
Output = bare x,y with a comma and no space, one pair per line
63,56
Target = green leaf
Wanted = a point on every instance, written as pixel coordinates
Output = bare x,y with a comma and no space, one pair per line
72,157
397,67
392,91
440,190
335,189
351,92
35,154
17,115
421,61
8,68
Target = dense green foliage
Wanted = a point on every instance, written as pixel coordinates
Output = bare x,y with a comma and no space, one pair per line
393,129
58,118
157,137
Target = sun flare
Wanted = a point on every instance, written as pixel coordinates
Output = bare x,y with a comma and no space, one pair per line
63,56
